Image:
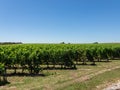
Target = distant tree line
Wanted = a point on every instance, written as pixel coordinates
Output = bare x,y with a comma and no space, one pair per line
3,43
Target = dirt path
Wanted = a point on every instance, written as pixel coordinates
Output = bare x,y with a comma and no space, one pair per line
114,86
74,80
84,78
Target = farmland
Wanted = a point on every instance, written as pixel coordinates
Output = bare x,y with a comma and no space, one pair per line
53,66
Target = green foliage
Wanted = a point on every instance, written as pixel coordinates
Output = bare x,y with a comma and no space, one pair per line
3,78
32,56
1,68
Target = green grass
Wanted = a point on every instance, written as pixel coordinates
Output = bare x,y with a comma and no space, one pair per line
91,84
64,79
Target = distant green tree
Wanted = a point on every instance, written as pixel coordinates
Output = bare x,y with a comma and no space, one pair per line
62,43
95,43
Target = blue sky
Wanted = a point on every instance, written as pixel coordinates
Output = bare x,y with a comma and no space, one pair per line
54,21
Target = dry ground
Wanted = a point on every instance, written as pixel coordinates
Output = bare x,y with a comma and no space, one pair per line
58,79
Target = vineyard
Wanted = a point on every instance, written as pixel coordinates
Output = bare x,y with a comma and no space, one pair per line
37,57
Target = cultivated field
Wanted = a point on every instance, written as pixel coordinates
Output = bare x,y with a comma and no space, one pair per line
59,66
86,77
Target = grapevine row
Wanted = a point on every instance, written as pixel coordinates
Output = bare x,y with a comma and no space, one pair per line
32,56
